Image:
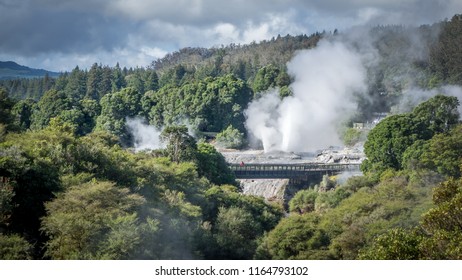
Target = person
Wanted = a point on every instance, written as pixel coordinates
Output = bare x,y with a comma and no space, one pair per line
242,163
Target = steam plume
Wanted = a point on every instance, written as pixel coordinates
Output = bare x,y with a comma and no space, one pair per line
326,80
146,137
414,96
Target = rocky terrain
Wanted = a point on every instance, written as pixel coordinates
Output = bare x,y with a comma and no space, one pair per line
329,155
271,189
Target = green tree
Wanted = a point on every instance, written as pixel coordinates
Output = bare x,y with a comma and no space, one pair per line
76,86
297,237
118,80
352,136
135,81
152,81
388,141
6,204
99,153
387,144
73,117
437,237
268,77
444,153
445,55
330,199
94,79
230,138
14,247
91,110
438,114
173,76
303,201
210,104
22,113
395,244
442,223
213,165
50,105
28,182
371,209
96,220
115,108
6,105
105,86
236,232
180,146
225,205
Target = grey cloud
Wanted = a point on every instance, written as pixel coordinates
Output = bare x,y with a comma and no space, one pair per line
31,28
198,12
414,12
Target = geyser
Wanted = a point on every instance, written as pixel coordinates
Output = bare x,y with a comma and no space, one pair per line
326,80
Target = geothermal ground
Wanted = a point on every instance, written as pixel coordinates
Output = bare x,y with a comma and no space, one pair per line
330,155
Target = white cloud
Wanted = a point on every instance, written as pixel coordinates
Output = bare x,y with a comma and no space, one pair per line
153,52
225,33
274,24
367,14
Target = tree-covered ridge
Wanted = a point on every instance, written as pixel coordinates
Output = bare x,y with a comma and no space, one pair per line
243,61
11,70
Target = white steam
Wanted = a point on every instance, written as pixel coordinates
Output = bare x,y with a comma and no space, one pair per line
325,81
146,137
414,96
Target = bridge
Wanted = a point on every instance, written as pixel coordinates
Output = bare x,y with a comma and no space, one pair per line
297,172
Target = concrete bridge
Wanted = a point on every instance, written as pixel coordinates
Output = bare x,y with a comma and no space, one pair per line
297,172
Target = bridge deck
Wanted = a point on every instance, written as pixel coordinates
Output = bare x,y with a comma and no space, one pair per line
290,171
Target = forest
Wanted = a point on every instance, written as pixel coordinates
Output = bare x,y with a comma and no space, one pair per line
72,187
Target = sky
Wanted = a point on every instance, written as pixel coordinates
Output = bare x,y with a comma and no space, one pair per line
58,35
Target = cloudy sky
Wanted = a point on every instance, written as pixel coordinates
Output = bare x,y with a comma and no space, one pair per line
60,34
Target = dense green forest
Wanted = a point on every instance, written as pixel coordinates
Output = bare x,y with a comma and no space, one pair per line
71,187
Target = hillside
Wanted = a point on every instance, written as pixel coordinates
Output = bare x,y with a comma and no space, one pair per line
11,70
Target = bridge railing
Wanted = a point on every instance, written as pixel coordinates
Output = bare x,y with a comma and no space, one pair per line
295,167
264,170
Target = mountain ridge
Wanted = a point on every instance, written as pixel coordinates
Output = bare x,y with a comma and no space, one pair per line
12,70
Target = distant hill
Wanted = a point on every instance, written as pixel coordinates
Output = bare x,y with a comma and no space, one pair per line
11,70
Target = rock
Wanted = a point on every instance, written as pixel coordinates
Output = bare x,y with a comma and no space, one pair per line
270,189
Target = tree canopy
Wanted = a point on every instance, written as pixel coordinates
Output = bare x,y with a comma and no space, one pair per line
392,138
